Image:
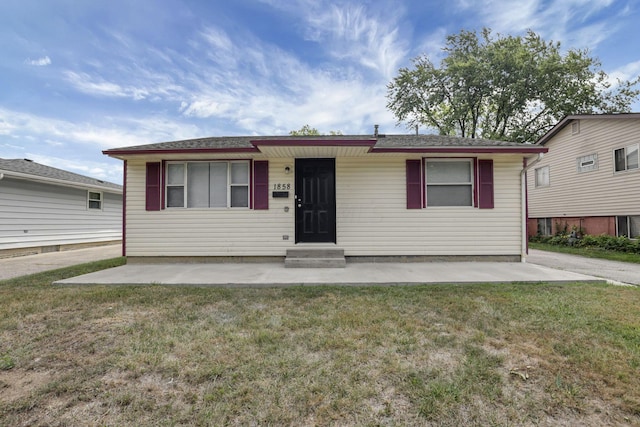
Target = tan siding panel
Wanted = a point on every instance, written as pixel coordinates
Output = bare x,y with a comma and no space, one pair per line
595,193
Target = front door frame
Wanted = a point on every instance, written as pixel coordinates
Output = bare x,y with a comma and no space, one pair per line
324,168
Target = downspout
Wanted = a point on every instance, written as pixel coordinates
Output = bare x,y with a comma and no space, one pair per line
523,198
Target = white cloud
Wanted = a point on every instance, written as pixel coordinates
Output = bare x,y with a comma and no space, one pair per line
40,62
628,71
109,133
567,21
268,91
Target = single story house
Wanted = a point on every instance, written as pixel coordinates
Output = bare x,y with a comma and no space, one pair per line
370,197
45,209
590,178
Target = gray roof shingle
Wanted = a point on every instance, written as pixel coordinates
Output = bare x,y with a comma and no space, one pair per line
383,141
29,167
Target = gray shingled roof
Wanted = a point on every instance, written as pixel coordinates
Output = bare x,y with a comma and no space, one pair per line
419,141
383,141
29,167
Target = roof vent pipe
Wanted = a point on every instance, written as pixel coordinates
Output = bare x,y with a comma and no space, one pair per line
375,130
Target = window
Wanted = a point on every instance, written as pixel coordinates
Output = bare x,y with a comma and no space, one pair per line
94,200
575,127
208,185
449,182
587,163
628,226
544,226
542,177
626,158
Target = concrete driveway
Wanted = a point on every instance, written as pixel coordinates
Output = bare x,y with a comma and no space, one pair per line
31,264
620,272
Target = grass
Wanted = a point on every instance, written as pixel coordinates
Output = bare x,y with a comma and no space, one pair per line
588,252
518,354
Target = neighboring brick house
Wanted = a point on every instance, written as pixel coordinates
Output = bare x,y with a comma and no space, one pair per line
369,196
44,209
590,178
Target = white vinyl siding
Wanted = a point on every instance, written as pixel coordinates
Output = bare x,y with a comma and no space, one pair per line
36,214
372,218
601,192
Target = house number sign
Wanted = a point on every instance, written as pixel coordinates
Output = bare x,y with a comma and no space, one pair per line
281,186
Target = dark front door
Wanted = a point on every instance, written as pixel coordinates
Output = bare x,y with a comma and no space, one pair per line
315,200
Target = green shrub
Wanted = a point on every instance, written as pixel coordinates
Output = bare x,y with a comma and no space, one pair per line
603,241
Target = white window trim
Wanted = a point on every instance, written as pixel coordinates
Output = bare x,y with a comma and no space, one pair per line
548,183
471,183
99,200
185,183
626,169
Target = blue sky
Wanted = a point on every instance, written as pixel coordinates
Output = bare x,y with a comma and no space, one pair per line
78,77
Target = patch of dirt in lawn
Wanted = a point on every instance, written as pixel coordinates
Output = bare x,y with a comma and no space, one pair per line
16,384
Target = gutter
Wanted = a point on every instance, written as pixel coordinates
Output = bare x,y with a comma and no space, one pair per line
524,210
61,182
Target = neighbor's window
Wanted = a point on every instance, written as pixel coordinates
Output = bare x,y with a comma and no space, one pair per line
628,226
94,200
542,177
449,182
587,163
208,184
626,158
575,127
544,226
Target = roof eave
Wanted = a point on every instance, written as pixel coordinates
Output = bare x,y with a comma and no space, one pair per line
121,154
471,150
60,182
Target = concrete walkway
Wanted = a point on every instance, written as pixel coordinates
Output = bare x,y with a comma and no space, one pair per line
30,264
540,267
274,274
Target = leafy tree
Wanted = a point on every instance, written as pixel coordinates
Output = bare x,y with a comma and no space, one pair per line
506,88
307,130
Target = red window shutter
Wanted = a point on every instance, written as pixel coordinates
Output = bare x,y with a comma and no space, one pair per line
414,184
485,179
261,184
153,187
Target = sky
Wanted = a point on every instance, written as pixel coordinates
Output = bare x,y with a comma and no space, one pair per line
78,77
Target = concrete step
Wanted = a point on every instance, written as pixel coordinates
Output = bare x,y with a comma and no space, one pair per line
315,262
315,258
315,253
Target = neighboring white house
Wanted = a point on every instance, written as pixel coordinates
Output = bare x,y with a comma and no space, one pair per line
44,209
423,196
590,178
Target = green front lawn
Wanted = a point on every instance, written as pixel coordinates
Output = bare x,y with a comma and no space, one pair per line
516,354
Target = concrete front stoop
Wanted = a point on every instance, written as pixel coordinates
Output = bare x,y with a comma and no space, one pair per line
315,258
